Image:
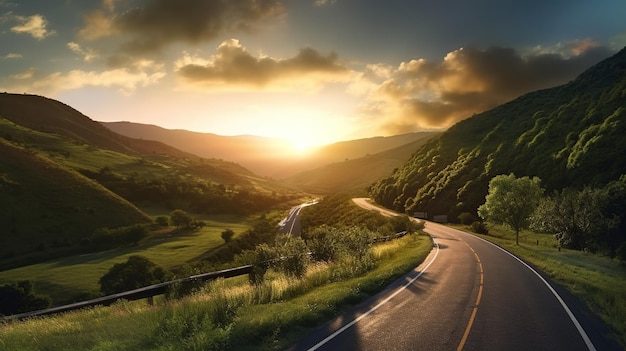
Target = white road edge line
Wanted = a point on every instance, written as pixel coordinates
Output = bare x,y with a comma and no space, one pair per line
356,320
579,327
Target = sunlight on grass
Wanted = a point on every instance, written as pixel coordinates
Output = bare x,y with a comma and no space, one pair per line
67,277
225,314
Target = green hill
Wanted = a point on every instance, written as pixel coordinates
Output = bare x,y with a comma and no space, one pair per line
62,176
356,173
44,205
569,136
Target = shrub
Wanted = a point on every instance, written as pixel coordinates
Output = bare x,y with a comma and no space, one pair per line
227,235
135,273
479,227
162,221
21,297
293,255
466,218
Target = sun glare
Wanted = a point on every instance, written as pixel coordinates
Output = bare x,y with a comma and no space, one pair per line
303,146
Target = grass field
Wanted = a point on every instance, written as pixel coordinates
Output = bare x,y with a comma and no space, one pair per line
226,315
600,281
63,279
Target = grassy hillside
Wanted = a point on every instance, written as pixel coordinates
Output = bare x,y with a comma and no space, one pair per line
44,206
569,136
356,173
63,175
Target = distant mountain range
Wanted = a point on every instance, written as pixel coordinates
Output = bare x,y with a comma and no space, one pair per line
270,157
569,136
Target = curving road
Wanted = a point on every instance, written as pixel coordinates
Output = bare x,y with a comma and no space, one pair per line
291,224
467,295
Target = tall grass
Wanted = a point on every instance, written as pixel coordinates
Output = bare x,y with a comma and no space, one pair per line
226,314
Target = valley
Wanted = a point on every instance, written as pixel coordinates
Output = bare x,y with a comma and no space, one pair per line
78,197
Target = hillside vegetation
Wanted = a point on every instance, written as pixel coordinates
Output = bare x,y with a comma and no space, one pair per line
569,136
356,174
63,176
44,204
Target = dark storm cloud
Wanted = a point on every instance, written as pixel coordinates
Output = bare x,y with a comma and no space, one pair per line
233,64
436,95
157,23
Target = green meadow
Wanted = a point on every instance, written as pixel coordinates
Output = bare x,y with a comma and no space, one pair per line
71,276
228,314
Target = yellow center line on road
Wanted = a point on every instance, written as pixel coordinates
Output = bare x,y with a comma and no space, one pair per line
478,297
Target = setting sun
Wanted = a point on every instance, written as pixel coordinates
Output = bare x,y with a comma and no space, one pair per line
303,146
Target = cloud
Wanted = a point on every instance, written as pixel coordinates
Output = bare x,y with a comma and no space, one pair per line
422,94
87,54
12,56
233,65
323,2
34,25
157,23
126,80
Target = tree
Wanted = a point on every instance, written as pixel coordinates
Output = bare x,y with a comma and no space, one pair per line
227,235
581,219
511,201
21,297
292,254
135,273
180,218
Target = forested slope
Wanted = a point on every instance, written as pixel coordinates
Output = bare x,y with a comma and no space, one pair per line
569,136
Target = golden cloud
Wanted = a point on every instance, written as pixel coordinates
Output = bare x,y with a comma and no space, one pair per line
35,26
126,80
422,94
233,65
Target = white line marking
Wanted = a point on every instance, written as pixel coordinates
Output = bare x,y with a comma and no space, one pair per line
579,327
356,320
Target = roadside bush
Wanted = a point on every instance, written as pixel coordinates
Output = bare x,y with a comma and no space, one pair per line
466,218
323,244
21,297
292,254
163,221
264,255
479,228
135,273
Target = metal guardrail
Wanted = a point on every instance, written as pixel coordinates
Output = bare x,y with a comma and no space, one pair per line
154,290
137,294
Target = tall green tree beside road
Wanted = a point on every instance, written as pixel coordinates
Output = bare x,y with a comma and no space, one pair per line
511,201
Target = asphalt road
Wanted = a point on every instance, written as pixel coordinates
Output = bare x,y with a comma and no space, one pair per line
467,295
291,224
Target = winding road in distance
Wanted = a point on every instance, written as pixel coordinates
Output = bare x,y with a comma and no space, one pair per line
467,295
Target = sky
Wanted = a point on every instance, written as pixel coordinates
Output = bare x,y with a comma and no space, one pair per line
312,71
